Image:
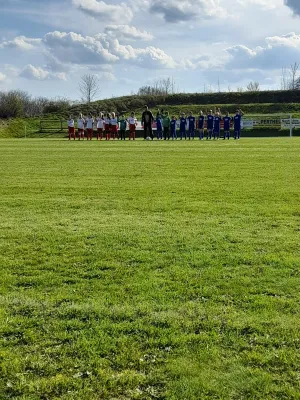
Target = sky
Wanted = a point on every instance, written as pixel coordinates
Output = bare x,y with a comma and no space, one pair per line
46,46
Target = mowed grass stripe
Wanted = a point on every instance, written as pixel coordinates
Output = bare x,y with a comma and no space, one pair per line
149,269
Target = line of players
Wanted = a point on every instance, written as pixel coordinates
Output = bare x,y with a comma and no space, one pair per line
111,126
188,125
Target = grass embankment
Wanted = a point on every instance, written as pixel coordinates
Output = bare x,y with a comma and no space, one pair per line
150,270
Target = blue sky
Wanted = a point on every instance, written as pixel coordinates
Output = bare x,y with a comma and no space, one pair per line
46,46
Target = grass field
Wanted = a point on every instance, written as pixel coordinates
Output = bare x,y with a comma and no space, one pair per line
150,270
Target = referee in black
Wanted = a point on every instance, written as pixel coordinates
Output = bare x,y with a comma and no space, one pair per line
147,121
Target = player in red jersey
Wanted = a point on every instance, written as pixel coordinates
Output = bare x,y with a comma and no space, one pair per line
100,126
71,127
132,121
90,127
114,125
107,126
80,127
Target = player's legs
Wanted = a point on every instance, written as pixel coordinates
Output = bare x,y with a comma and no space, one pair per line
107,130
71,133
114,131
151,132
132,132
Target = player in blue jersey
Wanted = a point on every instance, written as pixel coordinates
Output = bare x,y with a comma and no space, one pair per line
227,121
192,122
201,120
237,122
182,126
217,124
173,125
210,125
159,127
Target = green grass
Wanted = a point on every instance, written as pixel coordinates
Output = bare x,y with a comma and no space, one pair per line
150,270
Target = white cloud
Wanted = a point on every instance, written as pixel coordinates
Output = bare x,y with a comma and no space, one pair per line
21,42
39,74
74,48
126,32
204,62
153,57
2,77
149,57
277,51
63,50
186,10
103,11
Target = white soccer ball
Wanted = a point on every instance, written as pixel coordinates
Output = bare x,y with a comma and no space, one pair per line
148,138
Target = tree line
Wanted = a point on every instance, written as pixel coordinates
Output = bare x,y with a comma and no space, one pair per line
17,103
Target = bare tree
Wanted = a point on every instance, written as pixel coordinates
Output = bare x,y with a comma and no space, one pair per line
290,77
294,75
239,89
229,89
284,79
89,87
162,87
253,87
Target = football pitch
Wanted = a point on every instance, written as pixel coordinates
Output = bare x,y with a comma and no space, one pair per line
150,270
